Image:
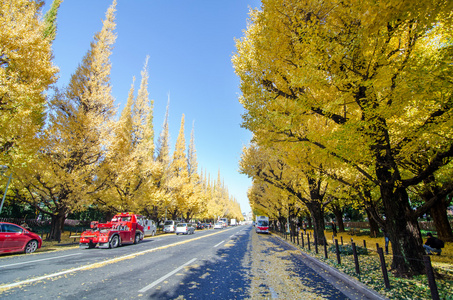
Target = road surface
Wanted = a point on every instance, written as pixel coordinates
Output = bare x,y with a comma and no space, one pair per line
230,263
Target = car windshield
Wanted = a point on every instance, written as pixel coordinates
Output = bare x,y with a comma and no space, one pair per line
168,223
181,225
263,223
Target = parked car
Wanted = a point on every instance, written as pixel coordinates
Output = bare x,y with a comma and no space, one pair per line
218,225
150,227
170,226
200,226
15,238
184,228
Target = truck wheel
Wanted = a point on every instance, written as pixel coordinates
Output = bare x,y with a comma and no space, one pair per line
137,238
114,242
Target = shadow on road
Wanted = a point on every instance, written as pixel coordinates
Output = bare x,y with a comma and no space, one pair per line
224,277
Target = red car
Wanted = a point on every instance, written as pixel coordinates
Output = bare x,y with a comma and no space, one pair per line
14,238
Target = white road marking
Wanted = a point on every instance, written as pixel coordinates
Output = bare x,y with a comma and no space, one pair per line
219,244
166,276
37,260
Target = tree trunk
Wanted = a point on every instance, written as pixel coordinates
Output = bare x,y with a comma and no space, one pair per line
152,213
57,221
404,232
188,216
401,223
174,214
374,226
340,225
282,221
440,218
309,222
338,217
439,209
317,214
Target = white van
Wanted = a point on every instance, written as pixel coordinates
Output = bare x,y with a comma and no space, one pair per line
224,221
170,226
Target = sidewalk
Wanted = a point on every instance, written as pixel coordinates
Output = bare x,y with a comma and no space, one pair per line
349,286
280,270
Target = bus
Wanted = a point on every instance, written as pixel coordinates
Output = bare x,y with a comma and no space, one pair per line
262,224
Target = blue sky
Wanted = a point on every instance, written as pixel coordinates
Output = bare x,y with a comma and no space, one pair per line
190,45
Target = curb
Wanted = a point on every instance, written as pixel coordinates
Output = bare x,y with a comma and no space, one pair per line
348,280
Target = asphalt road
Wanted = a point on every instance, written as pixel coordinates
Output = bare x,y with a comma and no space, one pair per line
231,263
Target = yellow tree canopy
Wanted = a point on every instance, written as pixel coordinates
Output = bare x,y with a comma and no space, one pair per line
62,177
26,71
374,78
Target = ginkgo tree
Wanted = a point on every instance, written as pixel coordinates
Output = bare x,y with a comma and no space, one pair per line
376,75
129,165
196,197
179,176
61,178
303,182
26,72
80,156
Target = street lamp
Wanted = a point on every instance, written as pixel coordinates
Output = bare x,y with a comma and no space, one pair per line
2,172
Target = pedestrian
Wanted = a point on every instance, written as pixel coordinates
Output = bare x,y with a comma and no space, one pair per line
334,228
305,228
387,240
433,244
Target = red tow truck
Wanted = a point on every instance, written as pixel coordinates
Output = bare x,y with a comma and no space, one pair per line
124,228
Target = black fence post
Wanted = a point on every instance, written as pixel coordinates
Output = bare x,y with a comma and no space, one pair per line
302,238
383,267
338,252
431,280
315,236
308,241
364,244
298,232
341,238
356,258
325,248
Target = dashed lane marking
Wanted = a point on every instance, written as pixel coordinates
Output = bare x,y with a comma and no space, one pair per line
166,276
